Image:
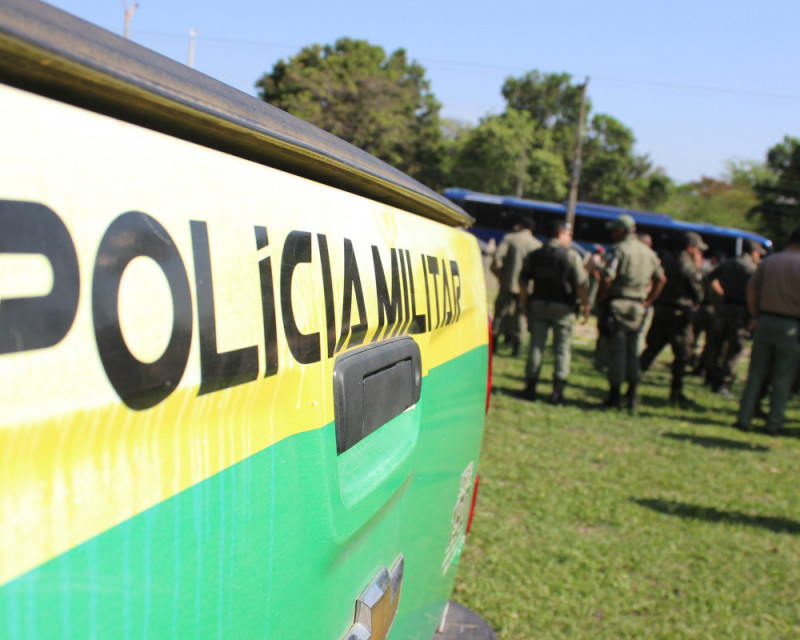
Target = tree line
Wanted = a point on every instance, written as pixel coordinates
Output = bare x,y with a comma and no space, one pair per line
384,104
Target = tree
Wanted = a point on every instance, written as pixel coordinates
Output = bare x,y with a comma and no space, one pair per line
611,172
723,202
553,102
506,154
748,172
778,208
380,104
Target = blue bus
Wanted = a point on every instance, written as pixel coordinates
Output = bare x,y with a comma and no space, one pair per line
496,215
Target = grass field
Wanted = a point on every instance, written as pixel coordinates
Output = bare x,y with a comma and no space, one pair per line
597,524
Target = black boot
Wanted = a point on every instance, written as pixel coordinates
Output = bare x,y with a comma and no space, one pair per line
529,392
631,397
516,347
614,400
676,397
557,397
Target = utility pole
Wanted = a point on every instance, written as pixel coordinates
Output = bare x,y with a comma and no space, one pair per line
521,174
576,165
128,13
192,36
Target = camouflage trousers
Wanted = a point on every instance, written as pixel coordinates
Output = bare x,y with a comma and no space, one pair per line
670,326
733,337
508,318
544,316
775,358
623,342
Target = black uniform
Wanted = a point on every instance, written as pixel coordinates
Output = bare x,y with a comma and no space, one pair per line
706,321
672,316
733,276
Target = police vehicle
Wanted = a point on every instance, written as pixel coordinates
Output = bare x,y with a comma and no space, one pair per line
244,365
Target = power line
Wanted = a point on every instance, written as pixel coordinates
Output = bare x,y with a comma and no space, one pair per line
696,88
746,94
221,42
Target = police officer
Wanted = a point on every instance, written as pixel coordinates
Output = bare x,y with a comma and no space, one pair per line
672,311
506,265
641,340
705,320
773,299
560,283
730,280
632,279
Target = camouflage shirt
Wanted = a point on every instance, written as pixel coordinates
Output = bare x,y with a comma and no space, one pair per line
510,255
632,267
733,276
684,287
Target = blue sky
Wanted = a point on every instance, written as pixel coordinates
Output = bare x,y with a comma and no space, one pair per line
699,82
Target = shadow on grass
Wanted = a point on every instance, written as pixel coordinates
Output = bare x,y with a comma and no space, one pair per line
511,376
710,514
692,410
717,443
783,433
696,418
584,398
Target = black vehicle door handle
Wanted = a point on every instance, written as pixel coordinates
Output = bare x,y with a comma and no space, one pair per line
372,385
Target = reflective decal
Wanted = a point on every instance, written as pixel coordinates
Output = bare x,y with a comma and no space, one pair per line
140,385
459,521
217,369
38,322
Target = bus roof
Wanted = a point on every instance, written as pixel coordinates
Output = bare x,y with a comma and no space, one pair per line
604,212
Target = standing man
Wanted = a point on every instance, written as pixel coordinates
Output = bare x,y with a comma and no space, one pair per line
773,298
705,321
672,311
730,281
506,266
560,283
632,279
641,340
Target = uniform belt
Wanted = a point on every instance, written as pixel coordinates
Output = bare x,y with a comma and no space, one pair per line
569,303
785,316
673,305
628,298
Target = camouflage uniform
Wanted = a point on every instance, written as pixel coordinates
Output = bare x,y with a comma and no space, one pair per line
706,322
733,276
632,268
557,273
509,256
672,316
774,298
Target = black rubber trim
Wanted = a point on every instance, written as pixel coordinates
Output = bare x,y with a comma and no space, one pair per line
372,385
47,51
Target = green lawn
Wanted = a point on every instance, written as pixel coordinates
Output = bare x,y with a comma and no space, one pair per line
597,524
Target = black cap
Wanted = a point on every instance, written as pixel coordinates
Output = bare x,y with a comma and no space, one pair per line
526,222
